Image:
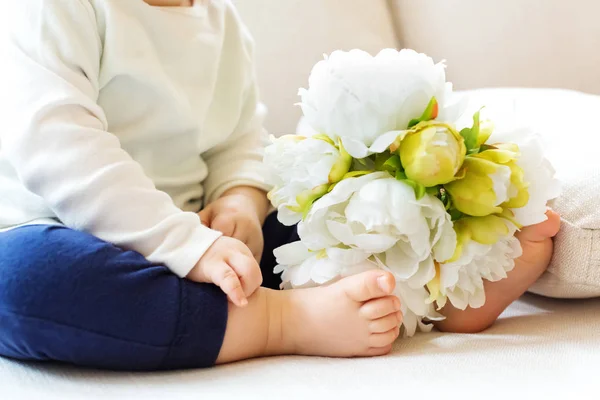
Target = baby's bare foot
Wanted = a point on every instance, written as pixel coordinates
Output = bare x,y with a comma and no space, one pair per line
536,242
356,316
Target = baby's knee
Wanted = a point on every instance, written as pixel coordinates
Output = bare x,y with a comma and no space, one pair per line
37,262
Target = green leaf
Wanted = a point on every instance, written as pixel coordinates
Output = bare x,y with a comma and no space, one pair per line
413,122
392,164
418,188
420,191
356,174
431,112
400,175
380,159
455,214
470,135
433,190
485,147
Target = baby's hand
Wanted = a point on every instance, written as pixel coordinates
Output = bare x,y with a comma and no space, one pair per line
235,216
229,264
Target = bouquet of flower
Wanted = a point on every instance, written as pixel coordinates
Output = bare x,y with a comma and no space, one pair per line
386,179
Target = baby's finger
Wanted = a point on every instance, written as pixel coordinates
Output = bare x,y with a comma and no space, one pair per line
248,270
256,244
205,216
223,224
227,279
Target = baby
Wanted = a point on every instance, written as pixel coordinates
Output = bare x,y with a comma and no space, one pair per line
120,120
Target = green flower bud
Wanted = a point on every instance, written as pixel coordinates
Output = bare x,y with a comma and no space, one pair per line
482,189
518,193
486,128
306,199
507,154
484,230
432,154
341,166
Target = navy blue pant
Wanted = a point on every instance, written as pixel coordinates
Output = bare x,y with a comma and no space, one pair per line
70,297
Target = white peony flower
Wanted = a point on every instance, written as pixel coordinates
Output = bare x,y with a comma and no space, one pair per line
380,215
461,281
366,101
301,267
298,165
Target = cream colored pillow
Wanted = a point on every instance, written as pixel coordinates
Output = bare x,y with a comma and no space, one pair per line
292,35
567,121
507,43
575,268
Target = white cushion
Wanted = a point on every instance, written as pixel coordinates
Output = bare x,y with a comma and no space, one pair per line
292,35
567,122
533,43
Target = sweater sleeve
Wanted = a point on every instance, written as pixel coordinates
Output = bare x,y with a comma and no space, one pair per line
239,160
56,137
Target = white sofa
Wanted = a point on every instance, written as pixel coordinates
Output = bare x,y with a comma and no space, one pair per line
540,347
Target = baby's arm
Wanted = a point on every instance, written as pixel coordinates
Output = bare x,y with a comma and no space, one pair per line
237,162
236,165
537,245
55,136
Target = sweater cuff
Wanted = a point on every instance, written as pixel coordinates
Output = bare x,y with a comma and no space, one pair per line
249,173
189,253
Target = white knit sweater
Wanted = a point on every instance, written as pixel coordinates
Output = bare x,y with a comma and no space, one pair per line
119,119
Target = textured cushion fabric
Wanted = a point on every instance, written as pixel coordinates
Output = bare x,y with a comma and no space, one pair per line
566,121
540,348
292,35
533,43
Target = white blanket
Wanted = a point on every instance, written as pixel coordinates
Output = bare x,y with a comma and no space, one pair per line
540,347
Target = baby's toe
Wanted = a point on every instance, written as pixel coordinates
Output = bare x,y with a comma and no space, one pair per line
541,231
384,339
380,308
368,285
378,351
553,223
385,324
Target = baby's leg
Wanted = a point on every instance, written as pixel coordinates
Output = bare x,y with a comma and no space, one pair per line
68,296
536,242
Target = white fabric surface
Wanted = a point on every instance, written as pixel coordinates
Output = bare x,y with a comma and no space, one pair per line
540,348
